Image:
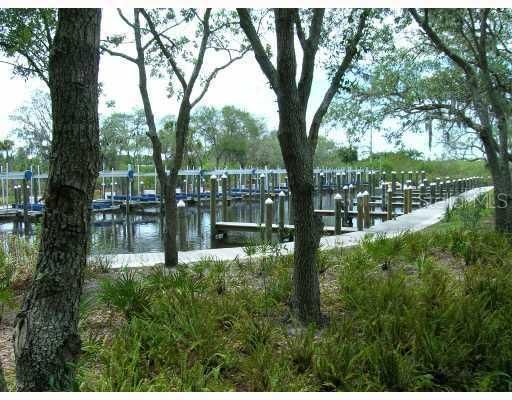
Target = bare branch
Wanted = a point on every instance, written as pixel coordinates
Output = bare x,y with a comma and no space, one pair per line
118,54
214,74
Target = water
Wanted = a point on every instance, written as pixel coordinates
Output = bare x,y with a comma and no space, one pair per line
117,234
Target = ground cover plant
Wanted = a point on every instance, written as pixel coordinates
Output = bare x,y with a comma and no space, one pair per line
421,311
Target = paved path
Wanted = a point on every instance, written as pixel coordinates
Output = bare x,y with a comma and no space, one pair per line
417,220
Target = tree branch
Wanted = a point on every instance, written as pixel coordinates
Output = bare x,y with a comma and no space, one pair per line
350,53
117,54
259,52
423,23
214,74
164,49
308,60
200,57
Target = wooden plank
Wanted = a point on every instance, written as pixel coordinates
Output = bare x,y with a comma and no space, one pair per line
330,213
254,227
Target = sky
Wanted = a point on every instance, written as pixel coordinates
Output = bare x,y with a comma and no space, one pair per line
242,85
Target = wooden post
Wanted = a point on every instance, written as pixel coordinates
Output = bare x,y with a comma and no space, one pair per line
347,220
224,184
26,222
405,191
367,220
281,214
383,189
290,208
402,180
393,181
351,196
338,182
344,179
409,198
16,196
213,205
389,207
422,195
360,211
432,193
320,189
182,223
250,180
262,198
269,218
337,213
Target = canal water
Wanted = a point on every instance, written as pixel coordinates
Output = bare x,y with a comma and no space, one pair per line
114,233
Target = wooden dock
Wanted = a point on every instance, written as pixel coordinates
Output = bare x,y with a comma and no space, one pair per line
353,213
254,227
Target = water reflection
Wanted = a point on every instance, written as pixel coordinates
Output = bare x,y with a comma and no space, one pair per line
136,233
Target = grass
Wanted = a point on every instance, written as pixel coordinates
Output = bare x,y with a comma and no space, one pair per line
428,311
400,161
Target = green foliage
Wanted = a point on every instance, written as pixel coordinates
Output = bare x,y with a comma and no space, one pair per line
409,160
26,38
438,318
126,293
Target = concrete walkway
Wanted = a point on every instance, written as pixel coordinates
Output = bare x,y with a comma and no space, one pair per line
415,221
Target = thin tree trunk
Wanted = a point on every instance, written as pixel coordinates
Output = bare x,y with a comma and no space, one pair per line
502,199
170,246
47,341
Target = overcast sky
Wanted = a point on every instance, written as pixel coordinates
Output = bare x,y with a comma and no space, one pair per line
242,85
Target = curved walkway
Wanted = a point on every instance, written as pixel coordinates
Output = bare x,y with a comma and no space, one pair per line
417,220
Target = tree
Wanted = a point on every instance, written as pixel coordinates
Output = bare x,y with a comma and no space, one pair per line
229,133
47,342
477,42
26,38
34,125
7,147
451,76
297,141
175,51
123,134
3,385
347,154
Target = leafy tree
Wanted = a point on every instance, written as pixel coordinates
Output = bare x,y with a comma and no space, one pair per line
7,148
340,33
26,39
47,341
451,76
347,154
123,135
34,125
229,133
171,53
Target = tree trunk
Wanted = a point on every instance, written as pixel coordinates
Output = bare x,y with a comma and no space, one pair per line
3,385
502,197
306,296
170,246
47,341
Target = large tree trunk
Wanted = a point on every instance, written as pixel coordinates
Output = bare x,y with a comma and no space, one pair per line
3,385
47,341
298,159
306,296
